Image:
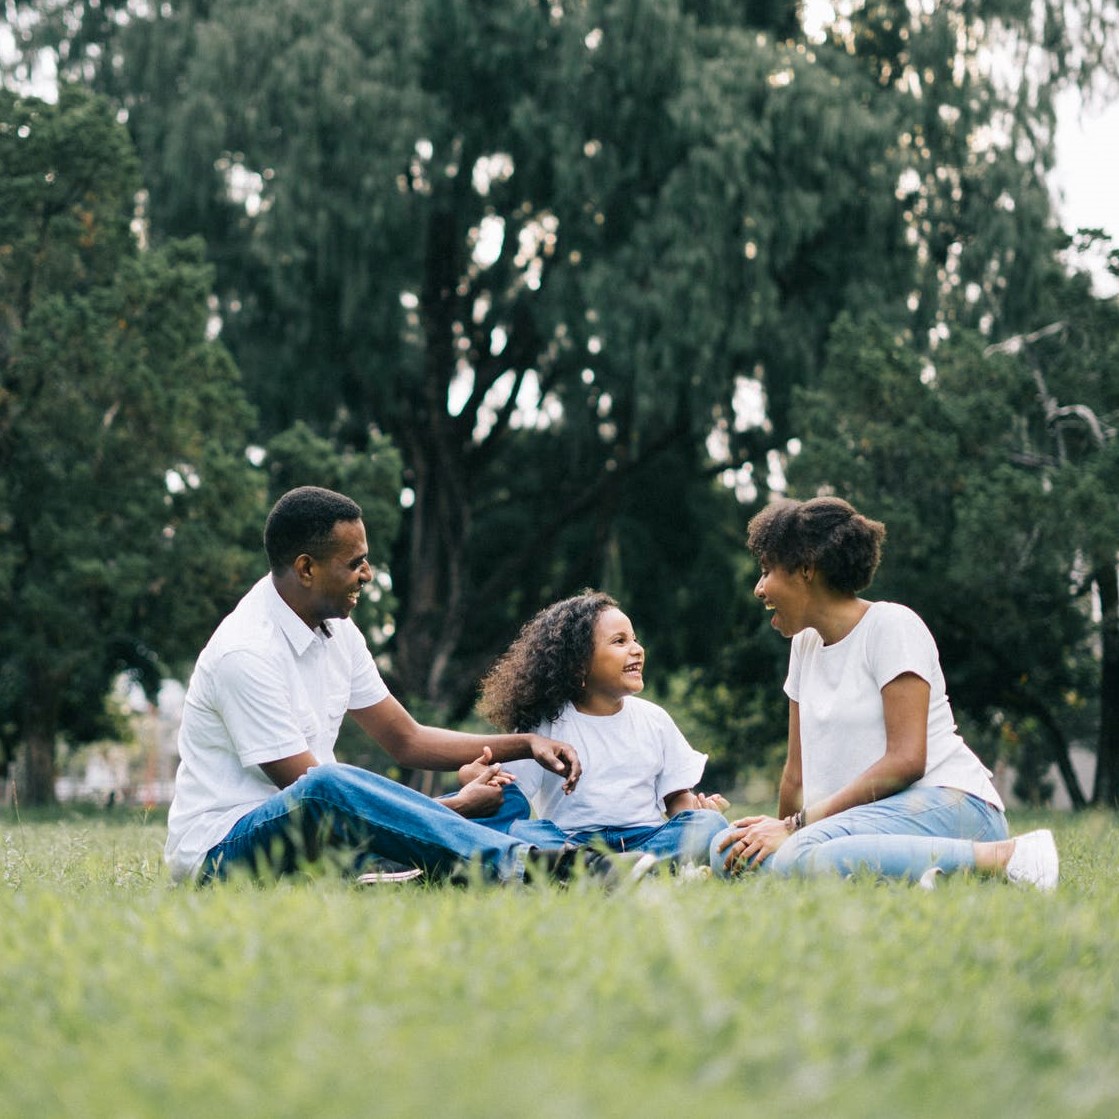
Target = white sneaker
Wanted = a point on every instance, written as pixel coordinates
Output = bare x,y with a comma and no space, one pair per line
642,867
1034,861
693,872
927,881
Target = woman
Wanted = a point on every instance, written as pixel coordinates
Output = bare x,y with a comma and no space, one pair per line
876,776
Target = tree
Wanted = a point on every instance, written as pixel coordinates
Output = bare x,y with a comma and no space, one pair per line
124,490
299,457
535,246
1072,447
992,550
551,249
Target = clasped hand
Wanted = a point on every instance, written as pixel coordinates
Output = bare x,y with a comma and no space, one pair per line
752,840
483,783
716,802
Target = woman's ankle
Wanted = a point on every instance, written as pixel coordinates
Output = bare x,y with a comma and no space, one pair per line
991,857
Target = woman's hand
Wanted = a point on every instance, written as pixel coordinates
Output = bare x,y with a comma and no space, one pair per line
753,840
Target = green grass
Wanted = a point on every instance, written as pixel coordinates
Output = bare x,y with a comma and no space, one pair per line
123,997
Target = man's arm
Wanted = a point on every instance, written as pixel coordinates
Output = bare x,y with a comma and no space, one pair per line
288,770
425,747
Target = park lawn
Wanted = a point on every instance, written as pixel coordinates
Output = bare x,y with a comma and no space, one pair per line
121,996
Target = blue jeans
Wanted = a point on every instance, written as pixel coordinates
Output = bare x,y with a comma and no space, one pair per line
355,815
686,836
900,836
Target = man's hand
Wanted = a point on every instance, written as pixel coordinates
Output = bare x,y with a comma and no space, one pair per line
557,757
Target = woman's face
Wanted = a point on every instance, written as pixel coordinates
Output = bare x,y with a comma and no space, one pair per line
787,594
615,670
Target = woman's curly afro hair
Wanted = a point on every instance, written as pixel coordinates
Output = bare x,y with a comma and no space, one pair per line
827,533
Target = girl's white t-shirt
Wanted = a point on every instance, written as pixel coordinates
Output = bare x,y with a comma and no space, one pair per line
838,689
631,761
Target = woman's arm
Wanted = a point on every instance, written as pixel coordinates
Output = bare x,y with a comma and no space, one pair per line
789,797
752,838
905,709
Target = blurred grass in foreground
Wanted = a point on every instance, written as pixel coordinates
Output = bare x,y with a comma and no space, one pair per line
124,997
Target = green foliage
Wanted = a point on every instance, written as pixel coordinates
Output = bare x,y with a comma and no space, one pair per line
796,997
983,546
299,457
673,199
544,247
122,429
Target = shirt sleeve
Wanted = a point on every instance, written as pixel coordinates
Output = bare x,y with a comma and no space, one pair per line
683,766
366,685
254,702
901,643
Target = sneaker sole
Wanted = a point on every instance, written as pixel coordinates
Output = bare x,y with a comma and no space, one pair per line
381,877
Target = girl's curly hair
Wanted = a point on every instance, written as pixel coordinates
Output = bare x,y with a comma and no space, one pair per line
545,666
827,533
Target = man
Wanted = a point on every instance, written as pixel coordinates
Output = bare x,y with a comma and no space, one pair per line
258,786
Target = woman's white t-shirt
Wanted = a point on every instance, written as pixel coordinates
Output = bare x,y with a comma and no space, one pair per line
631,761
838,689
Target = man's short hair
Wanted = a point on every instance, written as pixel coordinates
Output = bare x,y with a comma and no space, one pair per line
302,522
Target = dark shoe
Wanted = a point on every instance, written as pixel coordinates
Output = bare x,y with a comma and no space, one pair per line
609,869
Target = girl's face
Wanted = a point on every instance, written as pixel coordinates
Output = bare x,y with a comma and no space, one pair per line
616,665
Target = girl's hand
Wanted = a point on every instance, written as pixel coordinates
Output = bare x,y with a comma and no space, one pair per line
483,766
483,795
753,840
715,801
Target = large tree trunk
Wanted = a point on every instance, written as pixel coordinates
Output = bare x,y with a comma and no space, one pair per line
432,624
32,772
32,776
1059,746
1106,791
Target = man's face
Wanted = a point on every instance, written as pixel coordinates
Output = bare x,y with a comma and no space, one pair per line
337,579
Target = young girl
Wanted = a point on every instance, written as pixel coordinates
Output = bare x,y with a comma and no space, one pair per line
574,674
876,776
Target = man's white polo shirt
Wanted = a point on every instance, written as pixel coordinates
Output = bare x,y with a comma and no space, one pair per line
265,687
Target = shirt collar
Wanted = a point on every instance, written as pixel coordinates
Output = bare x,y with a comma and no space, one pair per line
300,636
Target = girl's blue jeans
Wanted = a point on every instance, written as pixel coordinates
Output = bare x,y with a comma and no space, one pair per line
354,815
900,836
686,837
